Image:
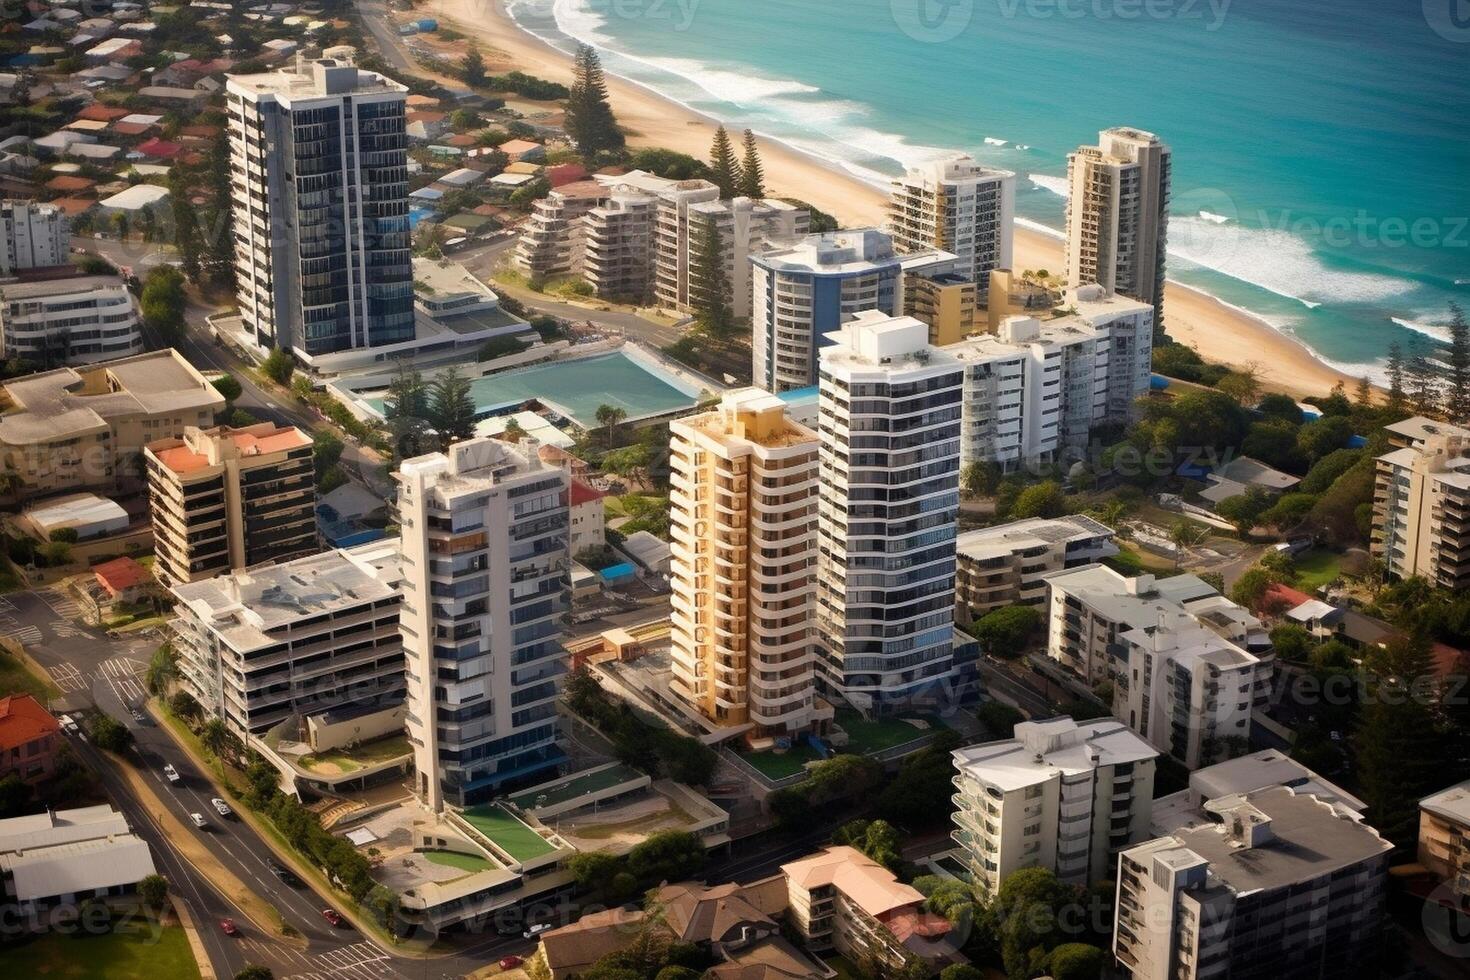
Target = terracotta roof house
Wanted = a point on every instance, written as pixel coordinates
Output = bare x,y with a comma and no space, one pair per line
565,173
70,184
160,149
571,949
102,113
29,738
122,578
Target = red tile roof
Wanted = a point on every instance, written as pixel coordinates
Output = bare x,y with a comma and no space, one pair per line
583,494
132,129
103,113
160,148
69,182
120,573
22,720
565,173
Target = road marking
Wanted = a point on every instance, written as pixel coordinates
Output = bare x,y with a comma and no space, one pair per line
68,678
63,628
60,603
124,676
26,636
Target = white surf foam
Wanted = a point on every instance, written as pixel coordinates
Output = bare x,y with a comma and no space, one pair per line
1218,219
994,141
1057,185
1437,331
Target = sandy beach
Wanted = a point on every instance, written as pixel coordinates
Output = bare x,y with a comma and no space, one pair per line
1219,332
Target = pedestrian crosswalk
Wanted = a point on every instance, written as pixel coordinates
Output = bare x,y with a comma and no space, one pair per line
125,676
67,678
360,961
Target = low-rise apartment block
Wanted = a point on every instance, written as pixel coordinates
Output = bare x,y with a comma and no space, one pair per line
1278,884
82,428
32,236
1242,774
553,240
1061,795
224,498
1421,503
295,641
1444,837
743,503
1007,564
77,320
618,236
30,738
843,900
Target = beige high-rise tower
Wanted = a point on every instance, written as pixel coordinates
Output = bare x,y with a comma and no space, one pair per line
961,207
1118,216
744,510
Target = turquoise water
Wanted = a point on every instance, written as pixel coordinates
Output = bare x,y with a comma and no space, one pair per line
1321,150
579,387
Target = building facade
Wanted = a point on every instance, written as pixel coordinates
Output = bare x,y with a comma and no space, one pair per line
323,250
34,236
960,207
79,320
1277,884
804,291
743,505
30,738
1444,837
485,584
1118,216
1007,564
890,408
553,242
1060,795
1421,503
223,498
744,227
268,648
618,236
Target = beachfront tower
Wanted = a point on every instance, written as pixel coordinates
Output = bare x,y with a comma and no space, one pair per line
744,520
956,205
890,458
485,578
1118,216
804,291
319,166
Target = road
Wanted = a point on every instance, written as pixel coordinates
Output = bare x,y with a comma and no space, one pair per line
375,19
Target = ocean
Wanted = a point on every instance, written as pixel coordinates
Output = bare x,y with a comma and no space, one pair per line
1321,151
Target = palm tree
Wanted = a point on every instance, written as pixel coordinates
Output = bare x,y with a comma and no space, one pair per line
610,416
1185,534
214,736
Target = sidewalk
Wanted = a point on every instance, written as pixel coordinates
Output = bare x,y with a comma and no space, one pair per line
201,956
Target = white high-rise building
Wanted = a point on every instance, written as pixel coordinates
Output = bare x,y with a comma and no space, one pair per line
34,236
1118,216
744,512
745,226
1277,883
322,240
79,320
485,562
890,457
803,291
1060,794
957,205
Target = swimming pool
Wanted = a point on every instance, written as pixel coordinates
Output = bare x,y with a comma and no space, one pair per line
579,387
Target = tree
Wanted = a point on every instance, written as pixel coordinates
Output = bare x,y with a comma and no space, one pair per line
162,669
610,417
214,735
1242,385
153,890
1244,509
279,365
163,303
220,251
724,168
254,971
111,735
875,838
669,855
1004,632
229,386
183,704
752,174
1395,372
186,225
961,971
406,410
1044,499
999,718
1025,910
1251,587
1321,437
1185,534
979,479
1424,385
451,407
709,286
472,68
1076,961
1457,393
589,116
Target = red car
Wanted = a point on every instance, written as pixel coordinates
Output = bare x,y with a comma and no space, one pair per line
332,916
228,927
510,962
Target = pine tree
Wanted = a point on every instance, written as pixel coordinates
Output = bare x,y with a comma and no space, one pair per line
186,226
752,174
472,69
451,407
709,287
221,217
589,117
1424,386
724,168
1395,377
406,409
1363,393
1457,397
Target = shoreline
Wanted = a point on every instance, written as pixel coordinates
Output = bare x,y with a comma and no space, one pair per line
1219,332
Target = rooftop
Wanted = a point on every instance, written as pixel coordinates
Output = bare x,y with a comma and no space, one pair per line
1044,750
60,827
202,448
517,839
834,253
314,79
243,607
1137,601
23,719
1452,804
872,341
1035,532
875,889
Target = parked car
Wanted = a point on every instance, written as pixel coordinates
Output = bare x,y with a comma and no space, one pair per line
334,917
172,773
221,807
286,875
536,930
198,819
510,962
228,927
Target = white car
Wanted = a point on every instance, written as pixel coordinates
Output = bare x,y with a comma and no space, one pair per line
198,819
220,807
171,773
536,930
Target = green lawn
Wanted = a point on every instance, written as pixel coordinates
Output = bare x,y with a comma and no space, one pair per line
359,757
509,834
577,786
452,859
1315,568
134,955
16,679
866,736
788,763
